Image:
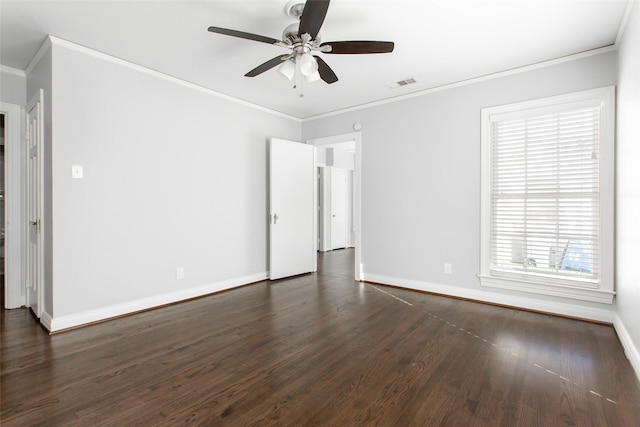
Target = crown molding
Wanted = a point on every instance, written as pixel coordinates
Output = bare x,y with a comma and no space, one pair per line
106,57
14,71
623,23
467,82
46,45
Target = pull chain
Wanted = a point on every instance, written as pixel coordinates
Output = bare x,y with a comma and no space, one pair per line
298,75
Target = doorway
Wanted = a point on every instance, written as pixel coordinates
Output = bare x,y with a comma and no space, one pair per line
2,214
336,226
334,149
339,206
12,197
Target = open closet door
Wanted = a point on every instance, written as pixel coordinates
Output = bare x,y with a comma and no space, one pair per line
35,255
292,203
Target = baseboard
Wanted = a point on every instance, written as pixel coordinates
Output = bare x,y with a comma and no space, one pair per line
562,309
59,323
45,321
630,350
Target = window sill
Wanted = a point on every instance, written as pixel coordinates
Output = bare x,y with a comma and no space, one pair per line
593,295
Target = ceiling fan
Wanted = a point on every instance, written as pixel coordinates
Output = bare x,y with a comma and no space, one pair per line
303,38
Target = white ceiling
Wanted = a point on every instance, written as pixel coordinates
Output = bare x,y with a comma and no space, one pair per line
438,42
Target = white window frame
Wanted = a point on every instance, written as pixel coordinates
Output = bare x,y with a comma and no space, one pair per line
602,291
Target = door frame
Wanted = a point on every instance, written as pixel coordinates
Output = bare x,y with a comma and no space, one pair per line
357,138
322,203
14,296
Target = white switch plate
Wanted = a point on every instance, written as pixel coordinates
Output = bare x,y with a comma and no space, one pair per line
447,268
76,171
179,273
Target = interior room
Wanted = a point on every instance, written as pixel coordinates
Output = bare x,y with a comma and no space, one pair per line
153,274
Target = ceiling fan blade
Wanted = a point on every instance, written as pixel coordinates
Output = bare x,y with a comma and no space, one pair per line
243,35
312,17
265,66
356,47
326,73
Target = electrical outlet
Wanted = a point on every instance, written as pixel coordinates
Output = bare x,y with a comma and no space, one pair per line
447,268
179,273
77,172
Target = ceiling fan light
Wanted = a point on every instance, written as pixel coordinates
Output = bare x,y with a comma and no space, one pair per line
313,77
287,69
308,64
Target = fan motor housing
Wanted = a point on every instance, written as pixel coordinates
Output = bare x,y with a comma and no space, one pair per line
290,35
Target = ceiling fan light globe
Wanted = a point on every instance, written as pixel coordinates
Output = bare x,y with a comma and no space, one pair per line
287,69
308,64
312,77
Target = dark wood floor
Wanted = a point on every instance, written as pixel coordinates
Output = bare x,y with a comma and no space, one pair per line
319,349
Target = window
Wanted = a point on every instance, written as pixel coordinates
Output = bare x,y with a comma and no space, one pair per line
547,196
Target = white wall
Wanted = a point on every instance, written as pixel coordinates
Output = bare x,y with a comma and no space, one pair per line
173,177
343,159
13,84
421,180
628,188
337,157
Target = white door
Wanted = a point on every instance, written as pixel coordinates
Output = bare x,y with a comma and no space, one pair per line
338,208
34,293
292,203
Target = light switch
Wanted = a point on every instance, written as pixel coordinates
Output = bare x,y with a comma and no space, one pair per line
76,171
447,268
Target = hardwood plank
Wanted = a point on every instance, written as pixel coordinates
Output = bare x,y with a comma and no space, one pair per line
318,349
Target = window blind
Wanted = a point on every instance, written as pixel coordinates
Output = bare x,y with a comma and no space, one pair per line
545,194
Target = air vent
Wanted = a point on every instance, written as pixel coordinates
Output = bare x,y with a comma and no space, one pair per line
401,83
